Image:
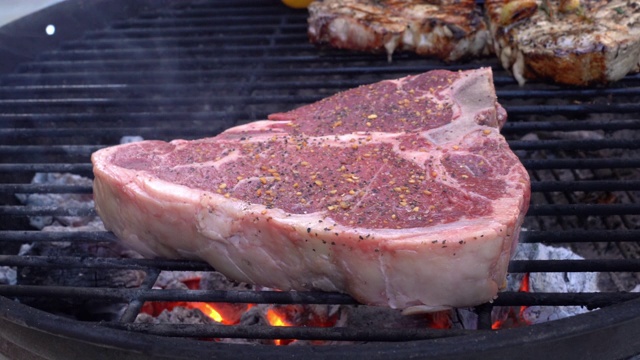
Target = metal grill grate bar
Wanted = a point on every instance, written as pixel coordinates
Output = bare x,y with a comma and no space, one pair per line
516,266
81,169
263,332
120,295
52,236
193,71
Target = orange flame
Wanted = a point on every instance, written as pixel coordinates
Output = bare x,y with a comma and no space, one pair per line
276,319
231,313
515,319
208,310
524,287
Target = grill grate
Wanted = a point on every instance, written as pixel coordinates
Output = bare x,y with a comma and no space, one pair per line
194,70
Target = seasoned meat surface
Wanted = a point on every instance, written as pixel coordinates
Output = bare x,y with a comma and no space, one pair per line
448,29
576,42
401,193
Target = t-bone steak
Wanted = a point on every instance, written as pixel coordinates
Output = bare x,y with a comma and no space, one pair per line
401,193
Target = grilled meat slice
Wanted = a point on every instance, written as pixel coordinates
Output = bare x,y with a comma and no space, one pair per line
447,29
576,42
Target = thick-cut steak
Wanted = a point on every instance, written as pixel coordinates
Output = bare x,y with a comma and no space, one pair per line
447,29
401,193
576,42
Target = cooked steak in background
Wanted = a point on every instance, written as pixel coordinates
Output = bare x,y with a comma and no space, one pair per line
576,42
448,30
401,193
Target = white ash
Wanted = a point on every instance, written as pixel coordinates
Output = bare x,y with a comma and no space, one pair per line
295,315
538,282
175,285
567,282
636,289
167,278
379,317
464,319
578,135
8,275
86,277
178,315
58,200
526,137
80,277
92,224
214,280
95,309
25,249
130,138
95,224
256,316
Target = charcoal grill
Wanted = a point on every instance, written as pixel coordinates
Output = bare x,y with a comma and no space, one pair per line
190,70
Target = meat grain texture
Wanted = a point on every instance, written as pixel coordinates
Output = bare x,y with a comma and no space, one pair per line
575,42
401,193
449,30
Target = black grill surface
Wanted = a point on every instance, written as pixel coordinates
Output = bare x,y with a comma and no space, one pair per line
195,69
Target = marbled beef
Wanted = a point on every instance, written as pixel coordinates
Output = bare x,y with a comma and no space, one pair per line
400,193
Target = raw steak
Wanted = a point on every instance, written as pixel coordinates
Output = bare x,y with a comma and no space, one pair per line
401,193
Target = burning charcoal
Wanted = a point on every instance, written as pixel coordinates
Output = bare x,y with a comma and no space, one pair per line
80,277
578,135
7,275
305,315
58,200
73,276
177,315
216,281
571,282
545,282
231,312
176,285
612,281
291,315
464,319
256,315
168,279
527,137
370,316
226,313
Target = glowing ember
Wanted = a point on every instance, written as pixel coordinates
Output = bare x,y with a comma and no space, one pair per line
208,310
155,308
276,319
524,286
514,318
439,320
224,313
